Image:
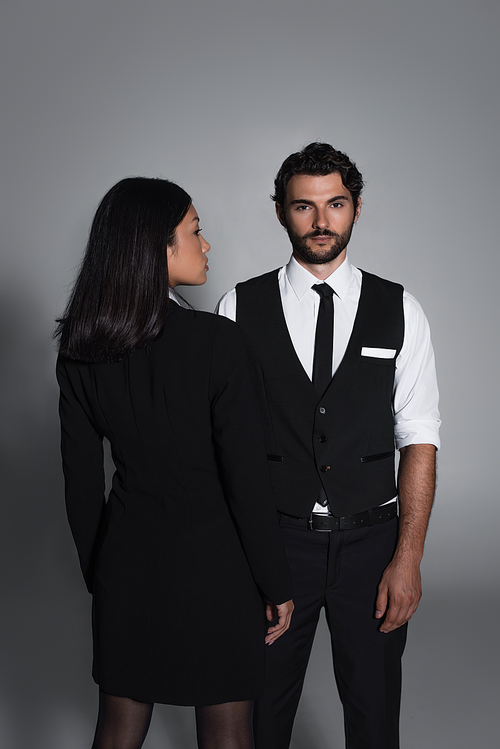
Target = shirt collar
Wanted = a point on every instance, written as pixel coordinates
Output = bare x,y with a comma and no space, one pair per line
172,294
301,279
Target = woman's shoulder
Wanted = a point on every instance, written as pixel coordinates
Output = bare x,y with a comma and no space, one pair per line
207,334
206,322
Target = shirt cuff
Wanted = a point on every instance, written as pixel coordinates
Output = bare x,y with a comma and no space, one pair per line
417,433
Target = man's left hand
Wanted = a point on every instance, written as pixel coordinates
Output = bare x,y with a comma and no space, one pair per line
399,594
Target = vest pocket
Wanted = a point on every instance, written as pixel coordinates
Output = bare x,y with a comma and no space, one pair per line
276,458
380,362
377,456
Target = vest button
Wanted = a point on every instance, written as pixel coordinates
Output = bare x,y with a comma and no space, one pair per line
324,469
322,410
322,439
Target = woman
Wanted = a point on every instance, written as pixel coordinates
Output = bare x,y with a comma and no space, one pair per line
179,557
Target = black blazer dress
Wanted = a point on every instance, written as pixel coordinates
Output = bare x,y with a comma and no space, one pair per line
181,555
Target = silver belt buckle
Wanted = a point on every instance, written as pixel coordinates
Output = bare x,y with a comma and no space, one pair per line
318,530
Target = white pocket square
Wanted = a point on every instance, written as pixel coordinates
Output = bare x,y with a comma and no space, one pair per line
380,353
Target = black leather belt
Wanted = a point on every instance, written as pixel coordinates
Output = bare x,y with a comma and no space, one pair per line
318,522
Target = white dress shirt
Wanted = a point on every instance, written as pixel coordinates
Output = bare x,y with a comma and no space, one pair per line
415,398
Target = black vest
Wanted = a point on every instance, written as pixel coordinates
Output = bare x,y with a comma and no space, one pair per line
345,439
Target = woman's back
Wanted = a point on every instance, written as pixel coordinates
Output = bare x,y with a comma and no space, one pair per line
186,472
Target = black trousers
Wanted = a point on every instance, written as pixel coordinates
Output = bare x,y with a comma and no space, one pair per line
340,571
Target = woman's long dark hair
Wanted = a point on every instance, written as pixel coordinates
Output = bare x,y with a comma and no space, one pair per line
120,297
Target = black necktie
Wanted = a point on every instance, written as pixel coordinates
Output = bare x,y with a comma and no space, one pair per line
323,343
323,350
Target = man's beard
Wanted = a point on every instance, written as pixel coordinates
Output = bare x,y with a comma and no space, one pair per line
300,246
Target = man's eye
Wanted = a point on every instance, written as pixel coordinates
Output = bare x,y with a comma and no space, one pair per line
302,207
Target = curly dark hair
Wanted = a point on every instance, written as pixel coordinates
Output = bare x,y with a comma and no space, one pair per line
318,159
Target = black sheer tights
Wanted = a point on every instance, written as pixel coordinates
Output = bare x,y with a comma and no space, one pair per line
123,724
225,726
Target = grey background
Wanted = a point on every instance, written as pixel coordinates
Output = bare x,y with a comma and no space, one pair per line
215,95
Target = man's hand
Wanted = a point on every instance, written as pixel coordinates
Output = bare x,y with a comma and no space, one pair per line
284,613
399,594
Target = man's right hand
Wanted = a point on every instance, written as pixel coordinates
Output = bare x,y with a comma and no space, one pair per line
284,613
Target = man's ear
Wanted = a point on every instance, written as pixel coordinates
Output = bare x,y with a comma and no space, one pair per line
358,209
280,215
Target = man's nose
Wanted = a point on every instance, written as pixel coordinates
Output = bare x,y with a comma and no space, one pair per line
320,219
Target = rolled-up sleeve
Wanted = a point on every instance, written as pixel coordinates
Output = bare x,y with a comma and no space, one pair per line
416,395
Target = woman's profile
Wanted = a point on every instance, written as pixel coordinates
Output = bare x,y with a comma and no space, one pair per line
182,553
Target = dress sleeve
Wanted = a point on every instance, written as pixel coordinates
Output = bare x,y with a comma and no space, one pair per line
240,445
83,466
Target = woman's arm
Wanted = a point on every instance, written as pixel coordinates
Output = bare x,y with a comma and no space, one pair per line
240,444
83,466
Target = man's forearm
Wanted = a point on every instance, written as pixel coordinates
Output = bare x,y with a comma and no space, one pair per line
400,589
416,487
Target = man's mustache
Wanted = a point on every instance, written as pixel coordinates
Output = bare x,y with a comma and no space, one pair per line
320,233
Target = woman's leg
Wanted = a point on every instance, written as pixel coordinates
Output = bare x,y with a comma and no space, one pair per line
225,726
122,723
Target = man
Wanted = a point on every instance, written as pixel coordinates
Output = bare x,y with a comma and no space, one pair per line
344,369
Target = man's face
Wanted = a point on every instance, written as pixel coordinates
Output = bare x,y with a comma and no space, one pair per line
319,215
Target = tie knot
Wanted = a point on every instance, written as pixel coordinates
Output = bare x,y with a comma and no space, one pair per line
323,289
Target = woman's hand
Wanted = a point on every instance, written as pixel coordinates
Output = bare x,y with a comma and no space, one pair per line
284,613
